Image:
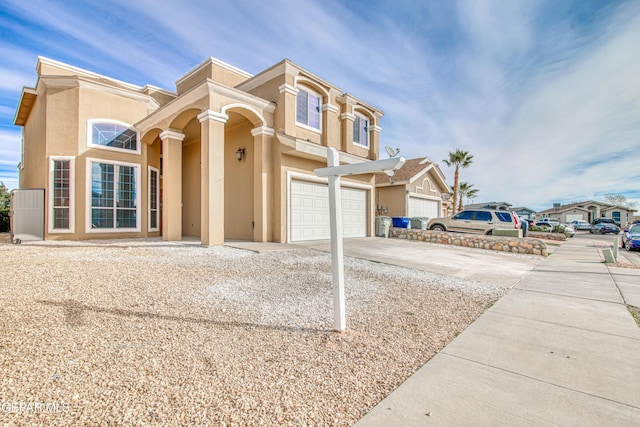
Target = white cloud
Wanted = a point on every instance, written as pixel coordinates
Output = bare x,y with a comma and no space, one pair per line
536,98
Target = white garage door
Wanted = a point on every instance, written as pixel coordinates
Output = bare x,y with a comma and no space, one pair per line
310,211
574,217
423,208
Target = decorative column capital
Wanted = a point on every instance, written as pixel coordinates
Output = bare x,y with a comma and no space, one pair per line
262,130
172,134
330,107
288,89
213,115
375,128
348,116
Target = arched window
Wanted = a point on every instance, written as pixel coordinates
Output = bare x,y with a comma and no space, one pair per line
308,108
111,134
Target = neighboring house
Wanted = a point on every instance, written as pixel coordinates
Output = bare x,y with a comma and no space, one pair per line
588,211
415,190
228,155
504,206
524,212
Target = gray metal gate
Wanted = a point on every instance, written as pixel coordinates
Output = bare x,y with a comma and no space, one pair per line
27,214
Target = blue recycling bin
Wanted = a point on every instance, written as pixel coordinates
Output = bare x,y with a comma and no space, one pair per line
400,222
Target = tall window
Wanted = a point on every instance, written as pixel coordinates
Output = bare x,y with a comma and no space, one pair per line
112,135
60,199
308,108
361,130
154,200
114,198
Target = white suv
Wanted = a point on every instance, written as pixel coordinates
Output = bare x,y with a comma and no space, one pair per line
551,221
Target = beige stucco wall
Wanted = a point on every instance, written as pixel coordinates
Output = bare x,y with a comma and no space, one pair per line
210,70
34,174
191,219
393,198
238,183
425,185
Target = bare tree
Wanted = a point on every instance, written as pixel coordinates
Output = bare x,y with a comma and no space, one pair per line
617,199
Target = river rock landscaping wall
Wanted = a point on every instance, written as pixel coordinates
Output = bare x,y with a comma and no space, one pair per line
527,245
546,236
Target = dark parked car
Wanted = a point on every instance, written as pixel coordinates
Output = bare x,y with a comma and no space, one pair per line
604,228
631,237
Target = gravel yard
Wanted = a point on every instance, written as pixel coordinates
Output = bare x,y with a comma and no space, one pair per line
171,334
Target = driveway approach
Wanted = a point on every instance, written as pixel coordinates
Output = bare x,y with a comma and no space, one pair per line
499,268
559,349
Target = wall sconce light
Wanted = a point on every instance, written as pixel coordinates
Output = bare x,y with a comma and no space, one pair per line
239,153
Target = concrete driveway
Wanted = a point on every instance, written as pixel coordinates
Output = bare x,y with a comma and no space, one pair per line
498,268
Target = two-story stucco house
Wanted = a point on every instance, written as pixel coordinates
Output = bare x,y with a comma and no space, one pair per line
228,155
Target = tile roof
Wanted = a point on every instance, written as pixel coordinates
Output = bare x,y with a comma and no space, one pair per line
411,168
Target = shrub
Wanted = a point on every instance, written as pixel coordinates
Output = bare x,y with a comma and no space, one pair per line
4,220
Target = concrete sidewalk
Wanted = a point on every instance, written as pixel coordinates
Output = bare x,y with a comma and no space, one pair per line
560,349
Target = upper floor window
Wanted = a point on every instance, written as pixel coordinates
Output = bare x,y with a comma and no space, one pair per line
361,130
308,108
111,134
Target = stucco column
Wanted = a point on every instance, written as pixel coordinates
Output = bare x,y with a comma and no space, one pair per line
171,184
347,130
330,134
212,177
287,105
374,141
262,143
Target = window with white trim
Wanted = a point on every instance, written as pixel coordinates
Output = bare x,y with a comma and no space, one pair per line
154,199
61,192
111,134
308,108
361,130
114,196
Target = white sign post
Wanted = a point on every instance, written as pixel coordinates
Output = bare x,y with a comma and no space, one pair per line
334,171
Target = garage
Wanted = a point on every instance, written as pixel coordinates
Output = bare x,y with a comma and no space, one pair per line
310,211
423,208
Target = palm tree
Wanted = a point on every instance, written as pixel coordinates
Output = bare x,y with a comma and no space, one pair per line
466,190
458,159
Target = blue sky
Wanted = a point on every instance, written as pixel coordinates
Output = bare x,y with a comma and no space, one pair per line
544,94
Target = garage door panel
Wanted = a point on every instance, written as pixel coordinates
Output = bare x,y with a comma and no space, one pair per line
423,208
310,211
